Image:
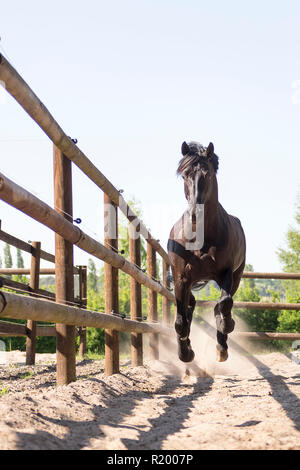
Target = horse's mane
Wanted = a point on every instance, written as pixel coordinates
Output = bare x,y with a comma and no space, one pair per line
196,155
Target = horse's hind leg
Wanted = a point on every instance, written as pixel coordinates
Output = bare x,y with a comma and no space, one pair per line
229,286
225,323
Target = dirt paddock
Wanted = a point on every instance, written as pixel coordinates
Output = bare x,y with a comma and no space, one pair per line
249,402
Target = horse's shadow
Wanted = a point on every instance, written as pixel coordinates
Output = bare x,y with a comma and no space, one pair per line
174,415
280,390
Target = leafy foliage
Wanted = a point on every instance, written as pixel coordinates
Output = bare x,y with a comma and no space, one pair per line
20,261
8,263
289,320
290,257
20,264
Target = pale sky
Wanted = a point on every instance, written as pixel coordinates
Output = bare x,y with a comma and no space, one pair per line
132,80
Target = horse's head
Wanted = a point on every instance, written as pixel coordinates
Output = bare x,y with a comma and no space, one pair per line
198,168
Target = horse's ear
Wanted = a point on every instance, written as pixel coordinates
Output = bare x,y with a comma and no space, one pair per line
210,150
185,149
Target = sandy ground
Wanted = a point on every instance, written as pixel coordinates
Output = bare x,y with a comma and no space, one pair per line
249,402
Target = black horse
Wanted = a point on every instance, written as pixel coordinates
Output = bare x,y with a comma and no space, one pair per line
205,244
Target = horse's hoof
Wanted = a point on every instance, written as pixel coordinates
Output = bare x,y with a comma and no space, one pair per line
185,352
222,355
187,356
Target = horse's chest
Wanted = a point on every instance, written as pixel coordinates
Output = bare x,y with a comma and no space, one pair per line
203,267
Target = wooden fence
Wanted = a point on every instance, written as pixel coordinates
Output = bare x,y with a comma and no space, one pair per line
60,221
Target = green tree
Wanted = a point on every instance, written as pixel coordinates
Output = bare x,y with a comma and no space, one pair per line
8,263
95,301
210,292
92,278
124,233
20,264
289,257
20,261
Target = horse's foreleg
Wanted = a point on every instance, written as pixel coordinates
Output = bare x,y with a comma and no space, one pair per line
224,321
185,306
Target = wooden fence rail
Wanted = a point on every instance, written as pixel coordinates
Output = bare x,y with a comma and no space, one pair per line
27,247
21,307
256,275
253,305
26,271
267,336
16,329
19,286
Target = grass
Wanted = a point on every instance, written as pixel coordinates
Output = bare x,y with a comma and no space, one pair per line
3,391
28,374
100,357
93,356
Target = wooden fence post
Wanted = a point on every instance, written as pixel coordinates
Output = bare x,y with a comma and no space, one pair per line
135,296
34,284
111,286
166,304
64,281
83,303
152,301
